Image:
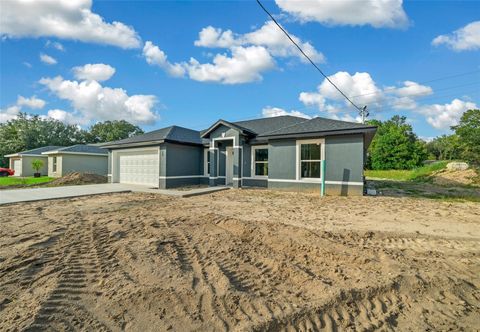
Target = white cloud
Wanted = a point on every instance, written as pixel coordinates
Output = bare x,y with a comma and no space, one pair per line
404,97
94,101
463,39
27,64
32,102
446,115
67,117
360,87
67,19
268,36
96,72
244,65
269,112
155,56
9,113
56,45
383,13
47,59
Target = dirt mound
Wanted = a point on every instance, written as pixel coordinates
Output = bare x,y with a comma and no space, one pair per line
456,177
79,178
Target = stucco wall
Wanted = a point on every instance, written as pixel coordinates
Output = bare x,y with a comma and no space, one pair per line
183,160
67,163
282,159
27,169
344,158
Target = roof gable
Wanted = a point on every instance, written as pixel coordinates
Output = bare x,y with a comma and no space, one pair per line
206,133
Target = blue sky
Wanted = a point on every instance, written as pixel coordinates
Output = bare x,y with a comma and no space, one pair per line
69,60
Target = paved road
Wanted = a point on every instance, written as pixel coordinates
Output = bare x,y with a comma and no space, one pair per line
37,194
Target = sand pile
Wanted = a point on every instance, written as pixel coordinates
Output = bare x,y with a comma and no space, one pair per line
76,178
240,260
456,177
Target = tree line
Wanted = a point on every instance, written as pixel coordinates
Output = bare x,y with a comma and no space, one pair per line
28,132
396,146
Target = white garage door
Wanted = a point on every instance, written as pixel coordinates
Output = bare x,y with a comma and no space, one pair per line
17,166
139,168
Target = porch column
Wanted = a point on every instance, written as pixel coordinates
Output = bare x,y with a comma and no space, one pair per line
237,166
213,151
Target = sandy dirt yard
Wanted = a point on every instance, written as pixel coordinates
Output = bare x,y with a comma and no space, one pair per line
240,260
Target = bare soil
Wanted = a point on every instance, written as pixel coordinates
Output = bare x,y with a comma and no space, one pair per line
77,178
240,260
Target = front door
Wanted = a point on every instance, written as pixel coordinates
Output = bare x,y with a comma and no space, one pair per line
229,166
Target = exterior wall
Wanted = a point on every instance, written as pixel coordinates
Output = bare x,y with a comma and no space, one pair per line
344,158
27,165
183,165
67,163
344,166
58,172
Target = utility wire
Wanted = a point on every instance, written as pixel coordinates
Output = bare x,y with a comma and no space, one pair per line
308,58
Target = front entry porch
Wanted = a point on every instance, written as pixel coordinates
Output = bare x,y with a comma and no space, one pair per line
225,162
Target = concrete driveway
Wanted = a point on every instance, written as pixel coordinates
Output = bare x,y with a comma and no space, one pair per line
37,194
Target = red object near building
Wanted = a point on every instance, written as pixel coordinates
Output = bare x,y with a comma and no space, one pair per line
6,171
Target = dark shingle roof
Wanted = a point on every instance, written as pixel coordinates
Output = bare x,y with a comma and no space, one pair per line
172,133
38,151
83,148
315,125
264,125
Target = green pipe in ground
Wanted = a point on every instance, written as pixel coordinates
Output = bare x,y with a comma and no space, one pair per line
322,190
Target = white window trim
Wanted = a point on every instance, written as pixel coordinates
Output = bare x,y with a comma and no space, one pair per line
252,162
54,164
320,141
206,171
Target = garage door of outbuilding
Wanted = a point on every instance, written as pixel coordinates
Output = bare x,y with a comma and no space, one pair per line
139,167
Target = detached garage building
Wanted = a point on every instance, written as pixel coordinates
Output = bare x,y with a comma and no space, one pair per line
21,162
284,152
76,158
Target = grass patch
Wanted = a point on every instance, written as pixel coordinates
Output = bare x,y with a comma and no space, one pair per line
23,181
416,174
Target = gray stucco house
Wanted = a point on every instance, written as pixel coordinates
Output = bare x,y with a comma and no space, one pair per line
282,152
76,158
21,162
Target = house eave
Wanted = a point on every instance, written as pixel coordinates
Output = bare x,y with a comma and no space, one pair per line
133,145
315,134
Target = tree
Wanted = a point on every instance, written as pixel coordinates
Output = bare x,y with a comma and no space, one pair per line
37,164
468,130
395,146
29,132
445,147
112,130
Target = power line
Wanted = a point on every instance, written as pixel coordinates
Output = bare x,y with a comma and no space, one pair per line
308,58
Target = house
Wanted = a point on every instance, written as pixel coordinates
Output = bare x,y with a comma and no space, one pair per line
76,158
282,152
21,162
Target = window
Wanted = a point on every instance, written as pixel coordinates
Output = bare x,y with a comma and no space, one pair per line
206,158
260,161
310,160
54,164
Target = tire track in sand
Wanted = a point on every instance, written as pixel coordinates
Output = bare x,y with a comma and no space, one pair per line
62,309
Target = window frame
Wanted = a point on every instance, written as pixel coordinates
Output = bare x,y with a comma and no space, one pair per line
299,160
253,162
54,164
